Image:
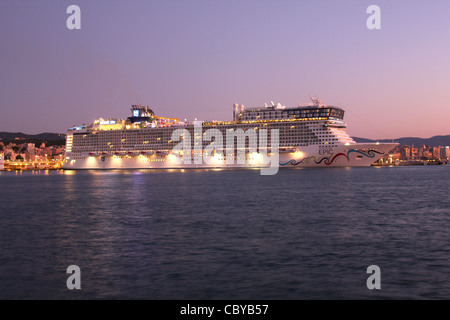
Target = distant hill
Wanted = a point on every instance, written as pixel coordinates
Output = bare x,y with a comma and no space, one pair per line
46,137
414,141
42,136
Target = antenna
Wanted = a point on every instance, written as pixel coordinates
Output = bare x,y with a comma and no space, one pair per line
316,101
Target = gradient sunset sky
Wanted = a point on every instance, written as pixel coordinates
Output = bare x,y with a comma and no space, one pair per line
195,58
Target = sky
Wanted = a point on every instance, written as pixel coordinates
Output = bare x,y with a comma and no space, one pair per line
196,58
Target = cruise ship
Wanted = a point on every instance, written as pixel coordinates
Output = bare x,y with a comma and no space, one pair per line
310,135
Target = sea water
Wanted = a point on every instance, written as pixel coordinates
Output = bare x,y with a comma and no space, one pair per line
226,234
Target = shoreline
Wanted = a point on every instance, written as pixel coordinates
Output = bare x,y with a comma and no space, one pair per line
57,165
411,163
32,165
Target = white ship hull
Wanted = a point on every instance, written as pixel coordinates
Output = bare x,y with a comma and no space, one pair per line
354,155
304,136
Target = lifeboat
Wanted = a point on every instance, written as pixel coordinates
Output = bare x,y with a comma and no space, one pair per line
162,153
287,149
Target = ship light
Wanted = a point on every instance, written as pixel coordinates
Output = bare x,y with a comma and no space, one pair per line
173,158
91,160
256,158
377,143
210,157
347,143
298,154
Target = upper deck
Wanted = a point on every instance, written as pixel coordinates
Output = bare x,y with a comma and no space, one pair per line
144,117
277,112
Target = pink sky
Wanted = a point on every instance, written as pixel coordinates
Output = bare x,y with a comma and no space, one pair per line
194,59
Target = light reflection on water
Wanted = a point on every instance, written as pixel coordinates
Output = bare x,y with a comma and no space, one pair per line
226,234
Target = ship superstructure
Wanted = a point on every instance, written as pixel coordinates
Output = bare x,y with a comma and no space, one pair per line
309,135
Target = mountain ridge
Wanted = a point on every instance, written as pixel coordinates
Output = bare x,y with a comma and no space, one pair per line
22,136
435,141
50,139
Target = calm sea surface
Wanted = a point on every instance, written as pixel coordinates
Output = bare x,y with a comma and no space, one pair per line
230,234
